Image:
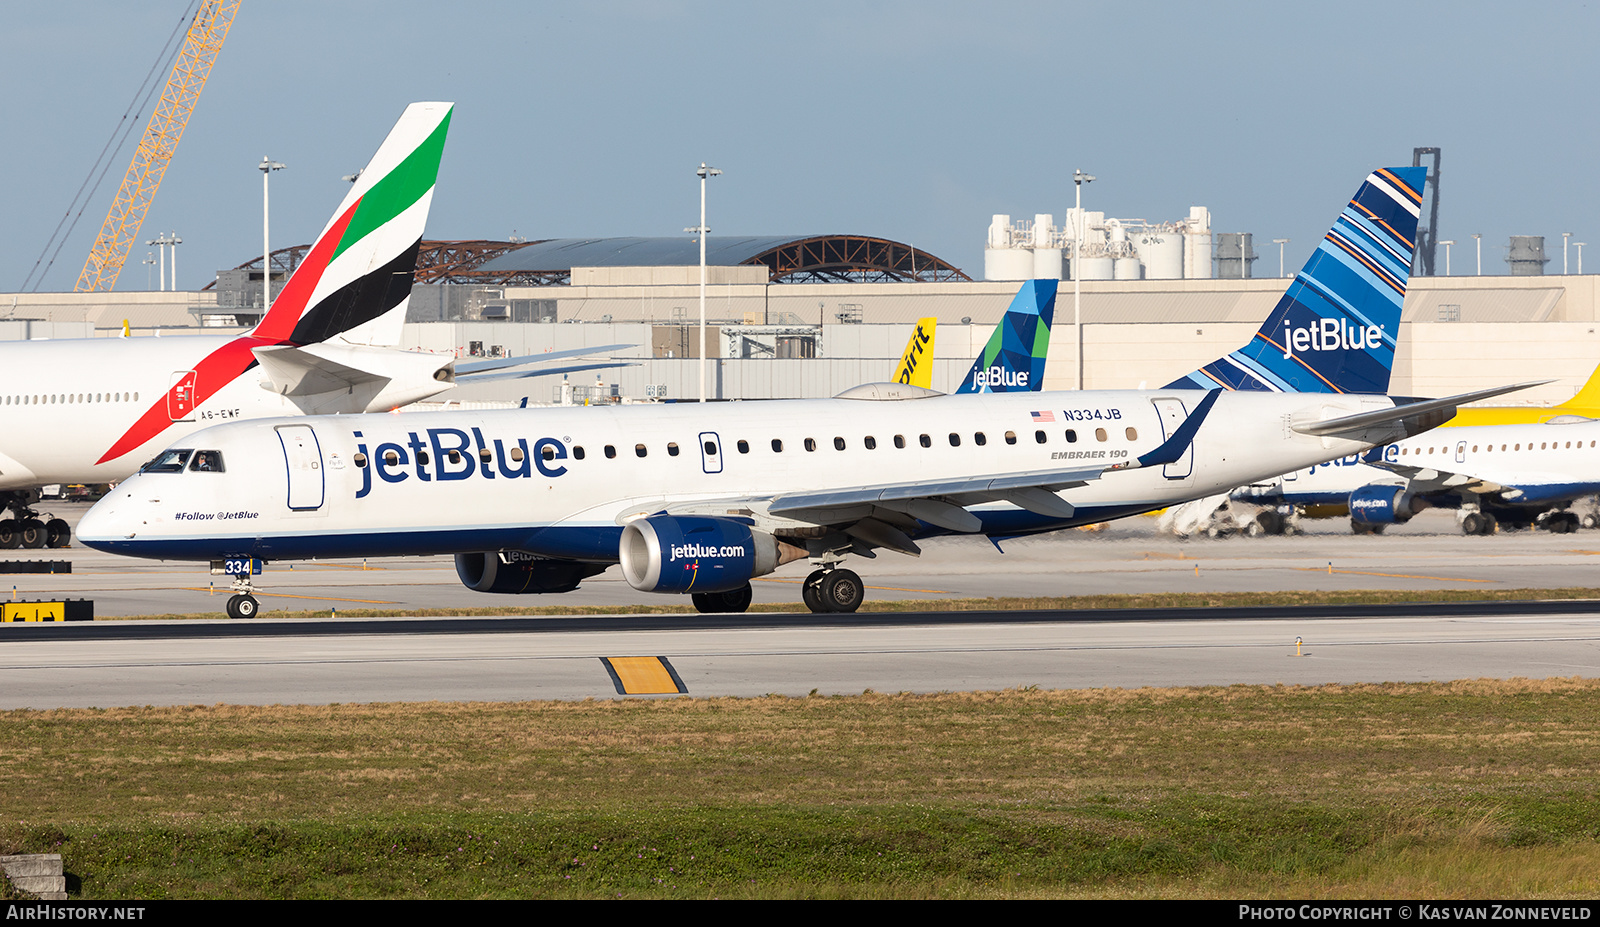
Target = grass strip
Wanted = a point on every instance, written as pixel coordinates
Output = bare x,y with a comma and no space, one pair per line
1468,789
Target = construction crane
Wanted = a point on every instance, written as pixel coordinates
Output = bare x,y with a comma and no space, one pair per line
156,148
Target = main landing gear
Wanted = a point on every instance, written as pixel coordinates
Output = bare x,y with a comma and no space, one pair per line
833,590
25,527
710,603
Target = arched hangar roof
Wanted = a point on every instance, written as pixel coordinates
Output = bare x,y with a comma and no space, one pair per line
789,259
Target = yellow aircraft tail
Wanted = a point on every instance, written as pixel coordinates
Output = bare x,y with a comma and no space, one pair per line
1587,402
916,364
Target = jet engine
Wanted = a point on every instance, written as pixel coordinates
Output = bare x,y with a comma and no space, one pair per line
518,573
669,553
1384,504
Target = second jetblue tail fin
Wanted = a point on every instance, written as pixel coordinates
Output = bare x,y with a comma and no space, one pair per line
1334,329
356,279
1013,360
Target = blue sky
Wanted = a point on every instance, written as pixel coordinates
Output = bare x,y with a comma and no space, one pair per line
912,121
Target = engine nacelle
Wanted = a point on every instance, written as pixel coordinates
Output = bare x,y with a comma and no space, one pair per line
517,573
670,553
1383,504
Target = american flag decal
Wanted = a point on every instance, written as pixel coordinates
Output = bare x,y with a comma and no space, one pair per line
1044,417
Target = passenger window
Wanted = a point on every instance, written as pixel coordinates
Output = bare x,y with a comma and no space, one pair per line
777,446
485,455
955,439
744,446
577,452
360,460
1099,434
1072,436
672,449
639,450
711,448
925,441
870,443
1011,437
206,462
1133,434
1039,437
455,456
547,452
900,441
611,452
838,444
811,444
422,458
391,459
979,439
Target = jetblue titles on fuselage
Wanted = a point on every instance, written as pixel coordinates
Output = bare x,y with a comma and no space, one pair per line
448,454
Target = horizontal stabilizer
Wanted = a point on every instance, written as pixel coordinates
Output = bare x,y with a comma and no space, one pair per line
499,363
390,378
541,371
1413,418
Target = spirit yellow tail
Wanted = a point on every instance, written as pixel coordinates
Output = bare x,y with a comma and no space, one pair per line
916,364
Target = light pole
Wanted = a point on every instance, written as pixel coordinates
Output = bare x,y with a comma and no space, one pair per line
267,166
1447,244
174,241
1565,236
703,173
1079,178
1579,245
1478,240
150,265
165,241
1280,242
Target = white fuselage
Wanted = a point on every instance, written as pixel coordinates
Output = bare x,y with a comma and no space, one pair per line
562,482
65,404
1527,463
95,410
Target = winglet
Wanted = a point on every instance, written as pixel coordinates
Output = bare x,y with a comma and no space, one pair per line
1334,330
1174,447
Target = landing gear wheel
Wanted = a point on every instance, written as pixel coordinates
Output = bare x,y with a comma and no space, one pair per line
733,601
842,591
1490,524
243,606
10,535
33,533
810,591
1472,523
1590,521
57,533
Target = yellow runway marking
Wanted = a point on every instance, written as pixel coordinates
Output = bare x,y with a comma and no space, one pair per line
289,595
643,676
1445,579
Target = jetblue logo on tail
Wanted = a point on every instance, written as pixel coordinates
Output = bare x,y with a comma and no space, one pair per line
1330,335
996,377
1333,330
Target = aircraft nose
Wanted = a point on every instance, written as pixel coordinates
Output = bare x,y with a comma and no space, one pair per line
105,522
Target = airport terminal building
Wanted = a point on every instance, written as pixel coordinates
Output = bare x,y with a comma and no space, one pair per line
810,316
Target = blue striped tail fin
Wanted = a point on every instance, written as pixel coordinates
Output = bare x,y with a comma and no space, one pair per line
1334,330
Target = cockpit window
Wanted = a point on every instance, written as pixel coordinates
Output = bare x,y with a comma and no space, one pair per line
170,460
207,461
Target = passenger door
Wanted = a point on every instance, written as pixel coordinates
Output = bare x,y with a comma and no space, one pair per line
302,457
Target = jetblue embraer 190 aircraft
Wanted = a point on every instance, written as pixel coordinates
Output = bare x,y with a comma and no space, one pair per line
701,499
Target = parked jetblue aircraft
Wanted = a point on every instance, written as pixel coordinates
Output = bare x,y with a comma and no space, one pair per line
700,499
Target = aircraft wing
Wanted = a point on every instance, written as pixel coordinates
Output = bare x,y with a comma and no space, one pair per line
1424,480
1384,425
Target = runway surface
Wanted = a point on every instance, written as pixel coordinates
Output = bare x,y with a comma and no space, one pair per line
280,661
